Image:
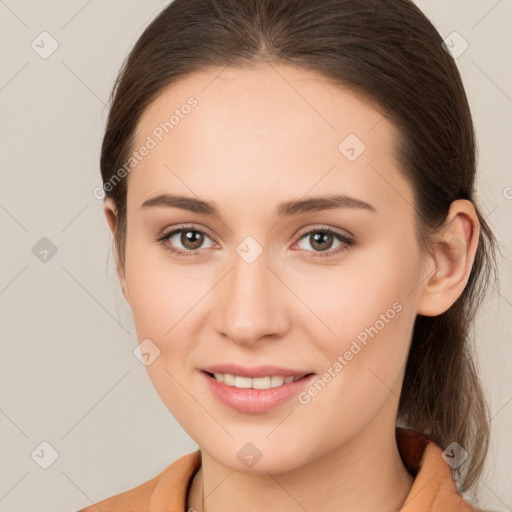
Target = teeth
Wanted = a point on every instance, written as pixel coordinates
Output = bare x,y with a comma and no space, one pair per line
237,381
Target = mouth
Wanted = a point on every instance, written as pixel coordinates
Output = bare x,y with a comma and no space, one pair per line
256,394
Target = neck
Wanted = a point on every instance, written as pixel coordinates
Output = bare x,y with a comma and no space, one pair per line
364,473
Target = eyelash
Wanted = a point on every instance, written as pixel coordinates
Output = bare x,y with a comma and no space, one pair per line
348,242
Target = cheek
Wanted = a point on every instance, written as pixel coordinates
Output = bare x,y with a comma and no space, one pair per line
166,299
162,293
161,297
367,290
364,372
370,314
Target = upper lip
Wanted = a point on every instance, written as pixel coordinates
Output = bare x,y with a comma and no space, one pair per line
255,371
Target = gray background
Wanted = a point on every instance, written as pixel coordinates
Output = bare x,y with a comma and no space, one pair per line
67,372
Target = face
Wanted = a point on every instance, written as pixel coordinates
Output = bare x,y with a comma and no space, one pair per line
325,289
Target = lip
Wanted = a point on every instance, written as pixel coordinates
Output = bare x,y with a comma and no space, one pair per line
255,371
255,401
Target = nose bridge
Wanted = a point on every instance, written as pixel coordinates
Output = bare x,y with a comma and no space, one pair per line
250,304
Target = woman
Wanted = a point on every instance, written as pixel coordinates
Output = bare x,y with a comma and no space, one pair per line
289,185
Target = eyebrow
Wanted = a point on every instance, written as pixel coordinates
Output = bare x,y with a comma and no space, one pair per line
285,209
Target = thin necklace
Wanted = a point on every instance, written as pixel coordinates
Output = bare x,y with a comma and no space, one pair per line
192,509
202,492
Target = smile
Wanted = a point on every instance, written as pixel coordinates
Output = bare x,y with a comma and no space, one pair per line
254,394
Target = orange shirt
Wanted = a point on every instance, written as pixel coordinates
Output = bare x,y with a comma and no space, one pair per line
433,489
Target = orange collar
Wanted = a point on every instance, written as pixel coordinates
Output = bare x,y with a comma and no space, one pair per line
433,490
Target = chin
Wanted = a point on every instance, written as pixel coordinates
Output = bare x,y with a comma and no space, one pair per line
259,457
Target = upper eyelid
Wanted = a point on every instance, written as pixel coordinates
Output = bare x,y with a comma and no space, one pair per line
325,228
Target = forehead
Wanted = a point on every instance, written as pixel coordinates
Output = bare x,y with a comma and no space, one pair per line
264,129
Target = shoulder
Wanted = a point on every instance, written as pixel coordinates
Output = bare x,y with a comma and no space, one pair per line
132,500
170,485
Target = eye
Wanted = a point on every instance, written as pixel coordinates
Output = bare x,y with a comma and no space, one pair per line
322,241
190,238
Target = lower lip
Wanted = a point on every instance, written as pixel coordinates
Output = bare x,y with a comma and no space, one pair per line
255,400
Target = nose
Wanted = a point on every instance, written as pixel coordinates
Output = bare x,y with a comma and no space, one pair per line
251,302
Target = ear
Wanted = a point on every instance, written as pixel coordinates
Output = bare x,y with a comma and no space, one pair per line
452,259
110,211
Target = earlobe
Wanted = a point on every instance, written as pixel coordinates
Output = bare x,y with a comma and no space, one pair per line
452,259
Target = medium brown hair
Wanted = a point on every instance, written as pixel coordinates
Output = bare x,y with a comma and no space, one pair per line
391,54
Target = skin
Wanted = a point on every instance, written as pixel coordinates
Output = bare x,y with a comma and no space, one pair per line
260,136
